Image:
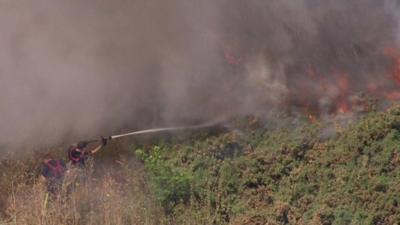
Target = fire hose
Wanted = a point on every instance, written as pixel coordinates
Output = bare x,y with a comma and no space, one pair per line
163,129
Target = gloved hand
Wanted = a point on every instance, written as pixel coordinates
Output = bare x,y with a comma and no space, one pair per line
103,141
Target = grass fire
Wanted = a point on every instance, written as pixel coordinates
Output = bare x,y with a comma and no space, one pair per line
225,112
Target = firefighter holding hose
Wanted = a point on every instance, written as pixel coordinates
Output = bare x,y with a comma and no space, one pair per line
78,154
54,170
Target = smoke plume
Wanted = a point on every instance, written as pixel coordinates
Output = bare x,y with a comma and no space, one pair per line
76,69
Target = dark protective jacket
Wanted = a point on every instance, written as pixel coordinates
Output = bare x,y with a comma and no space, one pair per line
54,170
77,156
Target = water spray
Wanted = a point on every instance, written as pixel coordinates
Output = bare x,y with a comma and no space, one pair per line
162,129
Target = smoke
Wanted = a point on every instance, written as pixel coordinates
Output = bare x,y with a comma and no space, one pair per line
76,69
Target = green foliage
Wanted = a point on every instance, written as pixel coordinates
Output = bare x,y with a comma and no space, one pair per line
285,176
171,186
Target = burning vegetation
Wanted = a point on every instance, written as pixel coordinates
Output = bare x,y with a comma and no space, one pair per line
294,68
128,64
317,94
331,57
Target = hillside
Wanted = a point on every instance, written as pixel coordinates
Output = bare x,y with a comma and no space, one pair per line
289,175
286,172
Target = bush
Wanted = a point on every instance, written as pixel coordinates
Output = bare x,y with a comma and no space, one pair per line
285,176
170,186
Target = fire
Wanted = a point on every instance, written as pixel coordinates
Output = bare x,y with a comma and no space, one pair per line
343,87
343,82
394,95
312,118
343,108
391,52
336,86
396,71
317,92
394,54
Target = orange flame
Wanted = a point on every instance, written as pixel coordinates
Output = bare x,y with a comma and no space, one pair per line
395,55
337,87
343,108
343,86
396,71
394,95
312,118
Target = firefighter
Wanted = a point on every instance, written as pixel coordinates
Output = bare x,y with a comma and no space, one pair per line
78,154
53,172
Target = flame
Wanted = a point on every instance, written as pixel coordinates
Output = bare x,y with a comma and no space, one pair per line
343,82
396,71
312,118
318,92
339,83
391,52
394,95
343,87
343,108
394,54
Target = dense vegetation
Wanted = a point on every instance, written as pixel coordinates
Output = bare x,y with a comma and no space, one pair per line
303,173
292,171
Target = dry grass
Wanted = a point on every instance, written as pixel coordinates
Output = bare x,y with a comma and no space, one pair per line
115,197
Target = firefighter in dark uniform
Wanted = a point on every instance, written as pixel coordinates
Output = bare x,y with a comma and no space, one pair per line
77,154
53,172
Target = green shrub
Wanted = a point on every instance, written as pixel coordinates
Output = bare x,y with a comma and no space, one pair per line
288,175
170,186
